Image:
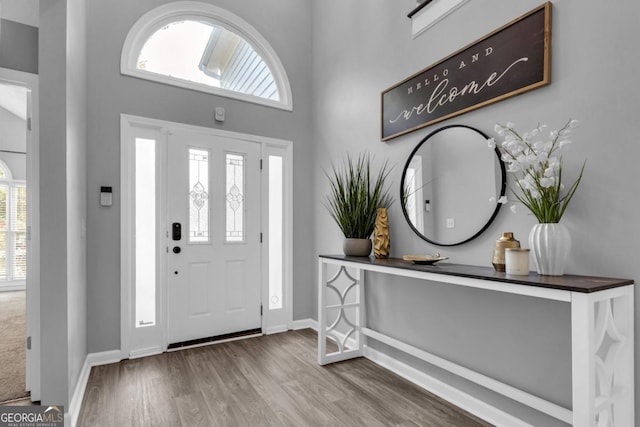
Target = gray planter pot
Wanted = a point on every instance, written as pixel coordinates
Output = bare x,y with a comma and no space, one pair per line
357,247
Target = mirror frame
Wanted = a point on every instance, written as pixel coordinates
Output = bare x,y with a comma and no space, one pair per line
503,188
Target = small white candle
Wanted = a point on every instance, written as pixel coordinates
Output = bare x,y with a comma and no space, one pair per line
516,261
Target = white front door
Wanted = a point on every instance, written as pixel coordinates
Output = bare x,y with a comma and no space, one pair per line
213,238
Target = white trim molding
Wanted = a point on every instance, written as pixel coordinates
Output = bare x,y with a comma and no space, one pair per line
156,18
92,359
143,345
305,324
31,83
433,13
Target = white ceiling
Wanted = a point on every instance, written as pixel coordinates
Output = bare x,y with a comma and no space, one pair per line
14,99
23,11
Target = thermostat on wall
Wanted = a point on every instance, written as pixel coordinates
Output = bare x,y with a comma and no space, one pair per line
106,196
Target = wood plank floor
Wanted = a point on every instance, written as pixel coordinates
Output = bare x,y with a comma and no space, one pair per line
268,381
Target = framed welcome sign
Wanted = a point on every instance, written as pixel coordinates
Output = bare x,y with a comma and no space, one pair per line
511,60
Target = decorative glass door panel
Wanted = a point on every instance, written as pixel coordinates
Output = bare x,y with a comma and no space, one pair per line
198,195
235,197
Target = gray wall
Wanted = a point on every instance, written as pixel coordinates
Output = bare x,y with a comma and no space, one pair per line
18,46
62,198
286,25
361,47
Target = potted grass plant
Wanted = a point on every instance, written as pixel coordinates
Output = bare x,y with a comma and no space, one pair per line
356,192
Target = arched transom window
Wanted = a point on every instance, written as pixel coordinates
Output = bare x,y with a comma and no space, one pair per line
205,48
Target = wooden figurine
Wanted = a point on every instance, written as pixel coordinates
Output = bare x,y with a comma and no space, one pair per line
381,241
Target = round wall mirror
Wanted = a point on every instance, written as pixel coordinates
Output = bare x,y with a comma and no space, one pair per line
451,185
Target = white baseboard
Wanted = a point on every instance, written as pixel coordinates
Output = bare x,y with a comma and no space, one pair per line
304,324
445,391
92,359
276,329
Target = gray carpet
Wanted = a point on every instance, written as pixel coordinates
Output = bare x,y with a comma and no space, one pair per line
12,345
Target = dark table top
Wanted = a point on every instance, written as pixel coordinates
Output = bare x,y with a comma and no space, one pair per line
567,282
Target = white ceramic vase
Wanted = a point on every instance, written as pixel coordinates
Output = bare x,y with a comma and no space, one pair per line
550,245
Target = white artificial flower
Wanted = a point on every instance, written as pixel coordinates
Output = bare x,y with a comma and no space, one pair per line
491,142
554,162
536,162
532,158
547,182
514,167
565,142
542,158
503,200
542,146
517,149
514,209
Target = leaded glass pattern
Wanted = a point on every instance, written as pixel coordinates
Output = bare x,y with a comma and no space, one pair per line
235,197
198,195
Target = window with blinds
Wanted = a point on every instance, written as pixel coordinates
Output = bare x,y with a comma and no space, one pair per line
13,231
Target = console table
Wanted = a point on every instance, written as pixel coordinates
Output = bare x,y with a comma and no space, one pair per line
601,330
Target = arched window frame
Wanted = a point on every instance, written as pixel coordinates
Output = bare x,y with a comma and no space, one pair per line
157,18
8,176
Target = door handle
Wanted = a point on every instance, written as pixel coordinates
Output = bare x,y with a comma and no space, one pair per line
176,249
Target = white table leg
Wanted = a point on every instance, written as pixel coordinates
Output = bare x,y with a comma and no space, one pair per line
602,357
322,313
346,350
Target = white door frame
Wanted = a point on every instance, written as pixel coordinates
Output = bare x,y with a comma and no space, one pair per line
30,82
129,124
